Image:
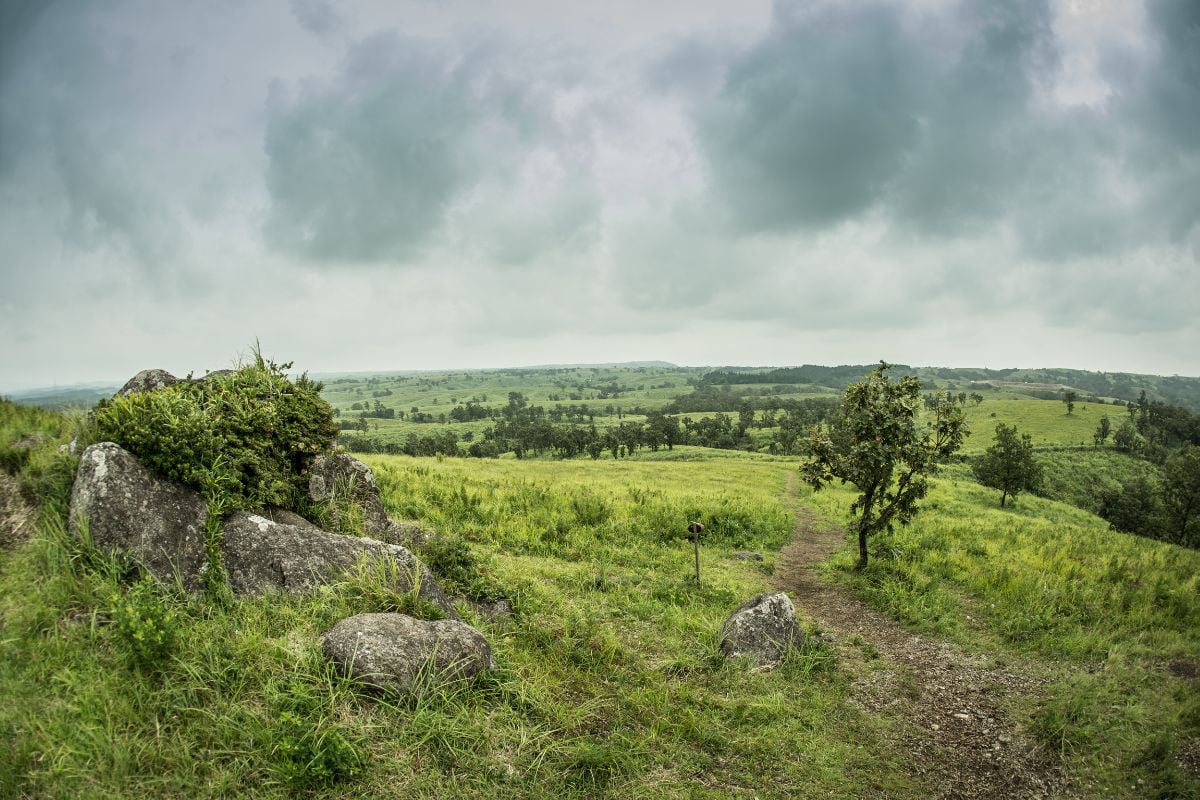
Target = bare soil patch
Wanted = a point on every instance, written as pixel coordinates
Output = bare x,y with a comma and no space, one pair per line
950,707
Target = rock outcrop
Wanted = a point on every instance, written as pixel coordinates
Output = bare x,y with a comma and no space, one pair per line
162,525
260,555
394,651
762,629
125,508
147,381
337,479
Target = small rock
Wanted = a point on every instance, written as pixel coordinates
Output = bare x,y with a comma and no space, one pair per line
747,555
394,651
762,629
936,727
962,716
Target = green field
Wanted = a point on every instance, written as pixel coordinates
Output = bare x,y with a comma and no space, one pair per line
609,681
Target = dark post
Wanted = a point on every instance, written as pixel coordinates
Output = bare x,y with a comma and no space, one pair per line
695,529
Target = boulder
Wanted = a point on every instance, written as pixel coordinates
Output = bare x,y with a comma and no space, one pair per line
261,554
392,651
219,373
339,477
147,381
127,509
762,629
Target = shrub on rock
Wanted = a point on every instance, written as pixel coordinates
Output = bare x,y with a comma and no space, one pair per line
244,440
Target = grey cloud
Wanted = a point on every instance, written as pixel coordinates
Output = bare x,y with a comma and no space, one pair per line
941,120
70,142
816,120
366,168
318,17
363,170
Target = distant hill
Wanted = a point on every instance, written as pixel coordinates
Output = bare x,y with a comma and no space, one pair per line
1176,390
57,398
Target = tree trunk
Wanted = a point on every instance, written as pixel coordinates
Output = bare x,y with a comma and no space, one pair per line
862,547
1003,495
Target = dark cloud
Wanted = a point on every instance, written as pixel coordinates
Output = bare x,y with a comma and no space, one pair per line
814,122
70,145
945,121
319,17
366,167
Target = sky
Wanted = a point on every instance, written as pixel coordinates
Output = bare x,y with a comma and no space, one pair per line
434,184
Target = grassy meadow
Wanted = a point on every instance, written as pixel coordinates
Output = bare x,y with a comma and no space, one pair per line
609,680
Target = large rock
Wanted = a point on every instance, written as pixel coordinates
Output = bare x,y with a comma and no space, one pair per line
147,381
339,478
762,629
125,508
261,554
391,651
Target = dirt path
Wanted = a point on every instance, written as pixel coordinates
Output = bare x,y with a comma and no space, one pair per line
949,705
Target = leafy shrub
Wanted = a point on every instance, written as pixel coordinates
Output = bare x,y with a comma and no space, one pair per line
145,624
245,440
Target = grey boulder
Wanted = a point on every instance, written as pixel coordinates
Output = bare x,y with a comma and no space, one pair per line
762,629
338,478
261,555
147,381
395,651
125,508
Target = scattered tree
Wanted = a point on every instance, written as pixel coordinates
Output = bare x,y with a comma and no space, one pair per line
1102,431
877,444
1127,439
1069,397
1009,464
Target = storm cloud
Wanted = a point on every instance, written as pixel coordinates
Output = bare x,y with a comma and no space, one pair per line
951,181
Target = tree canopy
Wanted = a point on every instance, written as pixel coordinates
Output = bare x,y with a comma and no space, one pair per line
877,443
1009,464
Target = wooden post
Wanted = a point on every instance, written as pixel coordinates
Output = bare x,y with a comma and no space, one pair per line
695,529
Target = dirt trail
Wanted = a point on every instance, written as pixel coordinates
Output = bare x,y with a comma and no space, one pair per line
949,705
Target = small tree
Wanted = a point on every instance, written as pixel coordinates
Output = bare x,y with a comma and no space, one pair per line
1102,431
877,444
1009,465
1069,397
1127,439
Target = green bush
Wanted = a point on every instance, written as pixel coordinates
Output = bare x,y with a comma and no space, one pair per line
245,440
145,624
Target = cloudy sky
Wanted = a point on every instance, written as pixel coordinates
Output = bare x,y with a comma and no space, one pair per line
413,185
